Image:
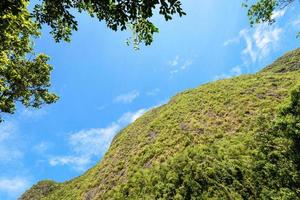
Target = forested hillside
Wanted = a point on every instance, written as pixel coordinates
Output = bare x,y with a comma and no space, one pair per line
236,138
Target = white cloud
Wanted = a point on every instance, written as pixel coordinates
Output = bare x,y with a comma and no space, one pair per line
249,49
174,62
6,130
92,143
102,107
11,157
13,186
86,145
78,163
186,64
296,23
265,38
9,146
32,113
278,13
174,71
42,147
260,41
153,92
130,117
127,98
136,115
9,154
231,41
178,64
236,71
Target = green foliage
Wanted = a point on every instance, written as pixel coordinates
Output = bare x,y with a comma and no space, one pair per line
217,171
24,77
262,10
217,141
116,14
40,190
278,165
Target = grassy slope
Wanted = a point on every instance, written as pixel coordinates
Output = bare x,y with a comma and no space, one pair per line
203,115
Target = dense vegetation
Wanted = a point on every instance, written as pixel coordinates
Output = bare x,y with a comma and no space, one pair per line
263,165
24,76
236,138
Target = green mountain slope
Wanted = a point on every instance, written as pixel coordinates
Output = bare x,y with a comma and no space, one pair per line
203,143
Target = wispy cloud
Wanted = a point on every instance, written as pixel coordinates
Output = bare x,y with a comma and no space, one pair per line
6,130
78,163
128,97
32,113
102,107
186,64
278,13
296,22
178,64
259,41
174,62
153,92
13,186
130,117
9,148
41,147
12,183
89,144
92,141
232,41
236,71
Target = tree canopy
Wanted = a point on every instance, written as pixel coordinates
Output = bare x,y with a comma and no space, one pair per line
262,10
25,75
118,15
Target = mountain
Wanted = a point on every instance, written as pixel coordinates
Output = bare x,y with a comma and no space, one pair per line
223,140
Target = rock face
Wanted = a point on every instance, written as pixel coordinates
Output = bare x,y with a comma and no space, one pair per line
195,117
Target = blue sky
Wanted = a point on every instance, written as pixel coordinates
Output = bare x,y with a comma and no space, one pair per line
104,85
